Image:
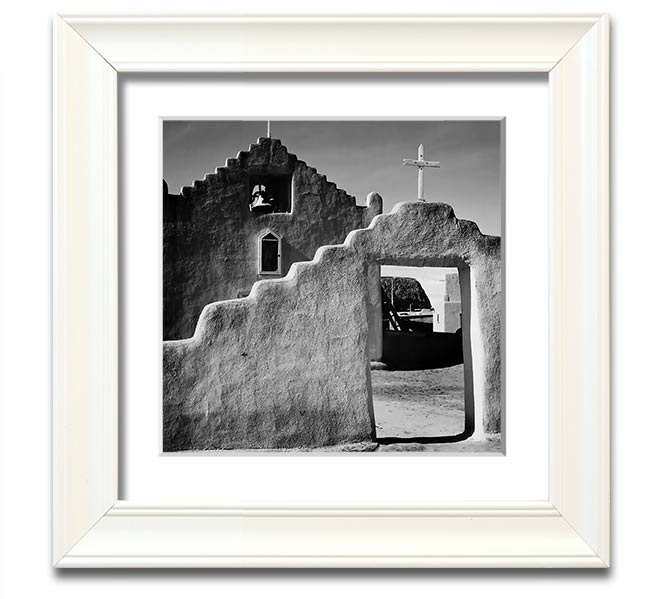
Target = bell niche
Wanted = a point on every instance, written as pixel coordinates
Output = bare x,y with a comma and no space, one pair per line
269,193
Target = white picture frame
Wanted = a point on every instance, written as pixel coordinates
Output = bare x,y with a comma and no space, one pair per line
93,528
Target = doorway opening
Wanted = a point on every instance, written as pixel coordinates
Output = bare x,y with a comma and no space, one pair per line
422,382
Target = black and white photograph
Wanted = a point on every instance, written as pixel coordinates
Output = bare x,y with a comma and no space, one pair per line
325,300
333,285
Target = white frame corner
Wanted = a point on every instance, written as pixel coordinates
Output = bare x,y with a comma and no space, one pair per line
93,528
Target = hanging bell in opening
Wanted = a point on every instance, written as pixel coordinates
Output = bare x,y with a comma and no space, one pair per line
259,200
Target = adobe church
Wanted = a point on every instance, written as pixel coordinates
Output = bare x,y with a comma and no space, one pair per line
273,305
248,221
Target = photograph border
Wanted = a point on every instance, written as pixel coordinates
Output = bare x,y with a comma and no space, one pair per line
93,528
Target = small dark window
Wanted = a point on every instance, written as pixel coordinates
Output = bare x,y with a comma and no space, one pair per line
270,254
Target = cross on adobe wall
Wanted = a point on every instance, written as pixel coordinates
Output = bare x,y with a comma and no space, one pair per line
421,164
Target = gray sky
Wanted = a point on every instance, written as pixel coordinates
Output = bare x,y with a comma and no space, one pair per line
360,157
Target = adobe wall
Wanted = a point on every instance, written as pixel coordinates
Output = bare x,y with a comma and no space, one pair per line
453,287
210,248
288,366
451,319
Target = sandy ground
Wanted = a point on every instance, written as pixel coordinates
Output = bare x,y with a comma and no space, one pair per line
419,403
491,444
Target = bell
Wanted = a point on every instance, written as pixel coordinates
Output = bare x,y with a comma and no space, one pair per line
261,204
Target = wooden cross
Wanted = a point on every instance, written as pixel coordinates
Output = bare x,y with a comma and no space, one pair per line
421,164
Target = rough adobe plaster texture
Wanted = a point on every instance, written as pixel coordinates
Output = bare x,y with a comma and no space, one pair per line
288,366
210,249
